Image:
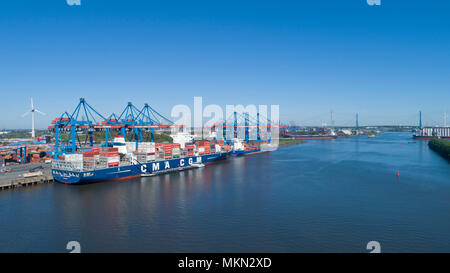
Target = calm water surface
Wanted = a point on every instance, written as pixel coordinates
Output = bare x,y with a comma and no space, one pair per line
322,196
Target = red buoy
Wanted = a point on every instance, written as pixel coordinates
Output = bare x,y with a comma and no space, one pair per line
398,174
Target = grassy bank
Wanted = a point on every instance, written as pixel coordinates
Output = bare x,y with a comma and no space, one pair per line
289,141
440,146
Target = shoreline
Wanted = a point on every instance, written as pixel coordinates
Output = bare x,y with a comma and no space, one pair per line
290,141
440,146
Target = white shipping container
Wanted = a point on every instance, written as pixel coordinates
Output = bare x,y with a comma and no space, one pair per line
131,147
73,157
121,148
148,150
113,159
218,148
141,157
67,165
146,145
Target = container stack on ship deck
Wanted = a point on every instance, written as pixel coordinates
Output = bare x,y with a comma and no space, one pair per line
127,161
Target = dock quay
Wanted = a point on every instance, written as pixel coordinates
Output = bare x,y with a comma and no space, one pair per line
25,182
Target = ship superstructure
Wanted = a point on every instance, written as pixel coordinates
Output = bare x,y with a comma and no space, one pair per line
432,132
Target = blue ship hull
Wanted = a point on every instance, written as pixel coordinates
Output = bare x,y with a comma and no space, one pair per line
131,171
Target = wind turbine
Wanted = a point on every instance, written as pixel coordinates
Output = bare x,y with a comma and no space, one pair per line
33,135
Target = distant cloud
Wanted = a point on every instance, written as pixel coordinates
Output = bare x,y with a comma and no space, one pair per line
73,2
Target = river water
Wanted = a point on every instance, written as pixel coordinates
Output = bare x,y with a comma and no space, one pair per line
321,196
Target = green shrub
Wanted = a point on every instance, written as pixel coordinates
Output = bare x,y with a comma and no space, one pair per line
440,146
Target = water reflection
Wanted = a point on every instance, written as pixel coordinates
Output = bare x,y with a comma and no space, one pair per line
319,196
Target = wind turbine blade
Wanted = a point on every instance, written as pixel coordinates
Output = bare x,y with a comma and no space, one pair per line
32,106
42,113
25,114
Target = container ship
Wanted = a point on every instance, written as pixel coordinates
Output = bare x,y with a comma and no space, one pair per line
318,136
77,163
427,133
127,160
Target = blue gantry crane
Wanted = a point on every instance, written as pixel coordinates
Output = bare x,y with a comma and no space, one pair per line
86,120
246,127
73,123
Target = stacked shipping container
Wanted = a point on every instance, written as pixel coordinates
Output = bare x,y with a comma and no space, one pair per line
169,150
146,152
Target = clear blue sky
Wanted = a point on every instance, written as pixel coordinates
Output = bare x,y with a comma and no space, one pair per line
386,62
